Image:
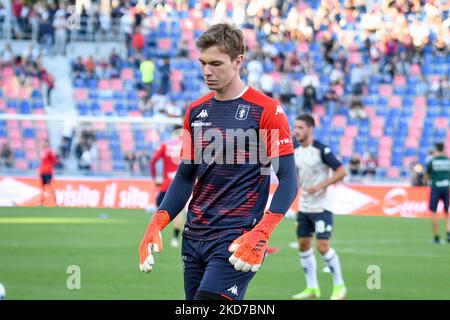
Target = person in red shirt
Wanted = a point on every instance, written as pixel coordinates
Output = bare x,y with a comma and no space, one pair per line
138,41
169,153
48,162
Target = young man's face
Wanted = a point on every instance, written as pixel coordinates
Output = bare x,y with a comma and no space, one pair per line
302,131
217,68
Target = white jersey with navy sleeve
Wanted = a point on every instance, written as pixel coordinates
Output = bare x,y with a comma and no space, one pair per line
314,164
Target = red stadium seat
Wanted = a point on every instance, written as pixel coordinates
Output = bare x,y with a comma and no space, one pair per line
105,166
27,124
15,133
164,44
339,121
103,84
384,162
420,101
102,145
98,126
414,70
376,132
302,47
30,144
393,173
16,143
31,154
298,89
399,80
177,75
412,142
42,134
351,131
386,90
107,106
127,74
81,94
386,142
135,113
442,123
395,102
21,164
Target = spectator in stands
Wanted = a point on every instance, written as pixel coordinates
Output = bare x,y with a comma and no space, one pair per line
183,49
337,74
86,158
357,109
144,161
60,30
130,158
402,65
355,166
7,57
158,103
49,82
328,45
266,84
6,156
309,98
69,131
388,70
164,71
357,76
441,88
332,100
147,68
255,70
115,60
370,164
46,35
126,27
78,68
417,173
138,40
89,67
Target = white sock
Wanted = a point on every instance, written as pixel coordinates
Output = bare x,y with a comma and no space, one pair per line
332,261
309,265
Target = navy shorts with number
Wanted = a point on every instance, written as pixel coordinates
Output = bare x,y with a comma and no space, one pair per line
206,268
46,179
160,198
319,223
439,194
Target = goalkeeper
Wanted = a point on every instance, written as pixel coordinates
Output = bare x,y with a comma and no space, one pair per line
227,228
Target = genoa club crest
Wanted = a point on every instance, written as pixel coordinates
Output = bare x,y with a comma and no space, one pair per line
242,112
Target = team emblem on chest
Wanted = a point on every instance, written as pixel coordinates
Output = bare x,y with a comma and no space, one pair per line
242,112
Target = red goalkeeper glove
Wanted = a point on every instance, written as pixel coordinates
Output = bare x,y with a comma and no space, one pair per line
249,249
152,241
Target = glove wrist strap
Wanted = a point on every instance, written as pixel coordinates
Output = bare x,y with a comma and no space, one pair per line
161,219
269,222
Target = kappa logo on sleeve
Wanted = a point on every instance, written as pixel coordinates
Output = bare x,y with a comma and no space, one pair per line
279,110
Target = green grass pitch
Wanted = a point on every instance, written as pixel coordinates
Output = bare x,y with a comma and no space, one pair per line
37,245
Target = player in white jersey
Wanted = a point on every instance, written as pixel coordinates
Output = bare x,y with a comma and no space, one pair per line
317,168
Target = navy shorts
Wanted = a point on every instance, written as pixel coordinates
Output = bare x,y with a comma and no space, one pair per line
160,198
46,179
206,268
319,223
436,195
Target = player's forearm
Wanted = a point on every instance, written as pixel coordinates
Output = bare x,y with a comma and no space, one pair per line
180,190
338,175
287,186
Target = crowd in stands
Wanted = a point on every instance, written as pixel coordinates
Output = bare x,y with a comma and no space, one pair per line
308,54
26,67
